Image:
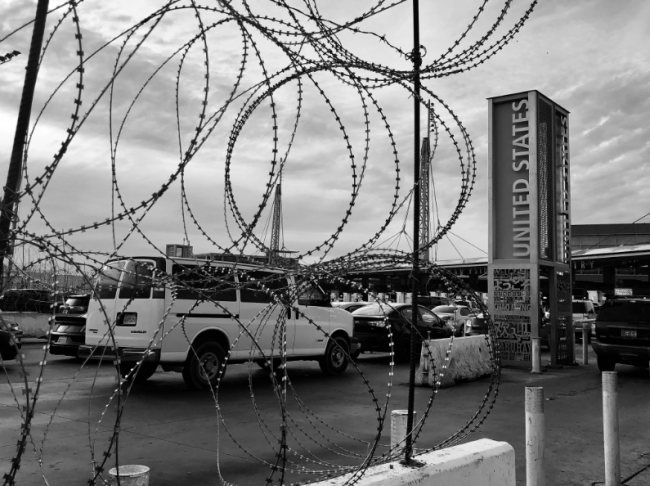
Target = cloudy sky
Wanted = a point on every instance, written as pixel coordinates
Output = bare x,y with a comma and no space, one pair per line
587,55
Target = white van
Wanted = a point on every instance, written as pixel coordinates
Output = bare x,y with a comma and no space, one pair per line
189,315
584,315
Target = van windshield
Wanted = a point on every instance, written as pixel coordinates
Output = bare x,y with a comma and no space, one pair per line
135,284
108,279
136,280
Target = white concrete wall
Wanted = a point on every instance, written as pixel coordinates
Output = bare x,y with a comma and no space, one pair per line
483,462
470,359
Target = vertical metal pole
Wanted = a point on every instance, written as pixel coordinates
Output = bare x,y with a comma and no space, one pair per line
537,358
535,436
415,275
553,310
14,173
610,429
586,329
571,341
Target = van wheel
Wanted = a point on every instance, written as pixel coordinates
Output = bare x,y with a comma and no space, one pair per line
205,367
605,364
336,358
264,364
145,372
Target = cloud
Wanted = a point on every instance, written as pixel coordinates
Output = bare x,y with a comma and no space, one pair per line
584,55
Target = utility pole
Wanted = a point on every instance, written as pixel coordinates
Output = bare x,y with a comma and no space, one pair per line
415,273
14,174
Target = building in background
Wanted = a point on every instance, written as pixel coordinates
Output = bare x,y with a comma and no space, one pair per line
611,258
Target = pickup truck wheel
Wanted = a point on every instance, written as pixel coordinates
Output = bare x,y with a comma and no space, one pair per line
205,366
605,363
145,372
336,358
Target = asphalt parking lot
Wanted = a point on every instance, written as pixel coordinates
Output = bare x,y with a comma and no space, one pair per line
180,435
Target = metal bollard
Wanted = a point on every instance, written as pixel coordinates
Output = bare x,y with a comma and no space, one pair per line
536,352
610,429
535,432
585,343
572,340
398,419
129,476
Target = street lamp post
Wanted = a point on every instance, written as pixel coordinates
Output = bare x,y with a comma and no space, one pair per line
415,273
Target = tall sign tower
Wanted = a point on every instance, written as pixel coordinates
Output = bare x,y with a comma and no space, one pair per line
529,257
425,214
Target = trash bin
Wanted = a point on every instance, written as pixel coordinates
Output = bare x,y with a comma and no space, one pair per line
130,476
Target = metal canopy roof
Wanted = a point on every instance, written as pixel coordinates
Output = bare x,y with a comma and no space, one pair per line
612,252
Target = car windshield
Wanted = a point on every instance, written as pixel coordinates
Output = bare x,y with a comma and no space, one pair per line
447,309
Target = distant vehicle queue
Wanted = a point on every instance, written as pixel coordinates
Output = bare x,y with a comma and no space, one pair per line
219,309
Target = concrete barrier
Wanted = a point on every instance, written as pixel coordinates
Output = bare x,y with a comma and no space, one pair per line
483,462
33,324
470,360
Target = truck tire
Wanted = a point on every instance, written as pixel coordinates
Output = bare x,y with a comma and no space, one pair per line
264,364
145,371
205,367
336,357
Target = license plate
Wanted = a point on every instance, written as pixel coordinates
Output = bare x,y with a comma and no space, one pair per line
628,334
64,340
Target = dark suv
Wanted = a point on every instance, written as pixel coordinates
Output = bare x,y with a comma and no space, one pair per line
69,326
622,333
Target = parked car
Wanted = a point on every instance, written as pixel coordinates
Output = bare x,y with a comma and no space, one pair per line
476,325
622,333
431,301
584,315
466,303
349,306
456,315
373,322
26,300
69,326
10,339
